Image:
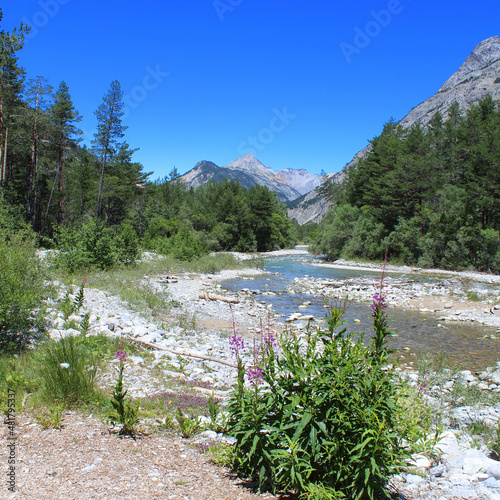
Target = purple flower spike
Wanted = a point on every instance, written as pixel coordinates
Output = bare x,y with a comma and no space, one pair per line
255,375
236,345
378,303
122,356
270,340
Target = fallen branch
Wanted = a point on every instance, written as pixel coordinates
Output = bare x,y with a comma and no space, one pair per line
186,353
211,296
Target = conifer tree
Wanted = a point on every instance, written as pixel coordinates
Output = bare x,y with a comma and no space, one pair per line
11,82
109,130
38,96
63,117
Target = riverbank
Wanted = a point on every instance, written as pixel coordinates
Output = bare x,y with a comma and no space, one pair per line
200,328
456,296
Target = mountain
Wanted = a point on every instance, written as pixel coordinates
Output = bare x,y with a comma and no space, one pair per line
478,76
310,207
289,183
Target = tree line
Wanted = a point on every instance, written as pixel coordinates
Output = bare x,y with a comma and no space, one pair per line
65,190
431,196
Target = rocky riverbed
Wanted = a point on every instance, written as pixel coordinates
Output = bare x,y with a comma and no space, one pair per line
199,328
456,296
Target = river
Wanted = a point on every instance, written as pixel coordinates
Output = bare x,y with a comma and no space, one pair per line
416,332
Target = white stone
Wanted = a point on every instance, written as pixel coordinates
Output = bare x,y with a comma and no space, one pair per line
494,469
473,465
136,360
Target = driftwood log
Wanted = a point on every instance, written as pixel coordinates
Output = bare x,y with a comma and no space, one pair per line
211,296
186,353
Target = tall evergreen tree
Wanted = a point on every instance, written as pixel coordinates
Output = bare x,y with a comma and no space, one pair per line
64,118
38,96
11,82
109,130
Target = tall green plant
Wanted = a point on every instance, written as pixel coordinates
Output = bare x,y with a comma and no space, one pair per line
67,370
124,412
320,418
22,291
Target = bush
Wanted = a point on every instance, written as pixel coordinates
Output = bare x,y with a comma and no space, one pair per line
325,422
67,370
126,244
87,247
22,291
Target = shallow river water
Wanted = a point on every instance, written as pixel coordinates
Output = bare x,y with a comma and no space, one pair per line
417,332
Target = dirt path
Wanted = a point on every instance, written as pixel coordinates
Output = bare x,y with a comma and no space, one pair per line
83,461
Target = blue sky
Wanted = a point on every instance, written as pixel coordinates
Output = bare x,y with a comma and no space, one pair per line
299,85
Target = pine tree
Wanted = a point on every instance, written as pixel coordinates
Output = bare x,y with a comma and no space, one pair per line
109,130
63,117
38,96
11,82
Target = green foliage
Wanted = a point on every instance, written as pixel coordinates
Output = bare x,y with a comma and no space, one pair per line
188,425
217,419
22,291
67,370
430,196
124,412
325,422
350,232
49,418
418,421
126,244
19,375
89,246
495,444
220,454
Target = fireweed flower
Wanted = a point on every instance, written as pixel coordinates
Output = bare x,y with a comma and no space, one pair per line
378,304
236,345
269,340
122,356
255,375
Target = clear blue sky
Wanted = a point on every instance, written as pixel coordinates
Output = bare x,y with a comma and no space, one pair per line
298,84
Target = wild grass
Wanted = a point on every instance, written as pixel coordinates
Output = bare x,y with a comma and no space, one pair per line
67,371
127,282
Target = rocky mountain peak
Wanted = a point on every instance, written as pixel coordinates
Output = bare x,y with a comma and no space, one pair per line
249,163
476,77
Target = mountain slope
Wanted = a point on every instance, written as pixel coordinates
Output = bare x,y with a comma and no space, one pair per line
478,76
289,183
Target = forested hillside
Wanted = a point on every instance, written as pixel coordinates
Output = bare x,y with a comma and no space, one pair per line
97,201
431,196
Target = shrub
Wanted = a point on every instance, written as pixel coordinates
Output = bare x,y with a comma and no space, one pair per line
324,422
126,244
87,247
22,291
67,370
